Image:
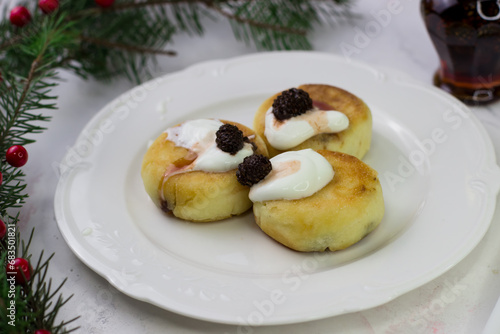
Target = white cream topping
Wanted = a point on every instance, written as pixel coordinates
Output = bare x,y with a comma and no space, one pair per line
289,133
295,174
199,137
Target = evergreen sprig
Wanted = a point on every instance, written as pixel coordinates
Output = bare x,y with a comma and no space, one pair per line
37,303
121,40
104,43
12,195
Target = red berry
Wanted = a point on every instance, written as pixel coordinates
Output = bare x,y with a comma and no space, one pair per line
104,3
16,156
3,229
48,6
20,16
1,178
42,331
20,269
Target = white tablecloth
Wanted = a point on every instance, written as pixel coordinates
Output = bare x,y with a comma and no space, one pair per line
459,301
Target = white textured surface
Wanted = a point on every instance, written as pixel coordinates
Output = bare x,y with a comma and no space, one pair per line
436,164
459,301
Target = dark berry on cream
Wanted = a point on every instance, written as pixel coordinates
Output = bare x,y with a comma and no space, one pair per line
229,138
253,169
291,103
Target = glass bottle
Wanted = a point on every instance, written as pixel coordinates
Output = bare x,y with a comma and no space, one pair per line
466,35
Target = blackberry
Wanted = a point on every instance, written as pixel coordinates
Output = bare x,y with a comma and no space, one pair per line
229,138
291,103
253,169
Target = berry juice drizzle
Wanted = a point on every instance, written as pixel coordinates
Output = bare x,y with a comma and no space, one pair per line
466,35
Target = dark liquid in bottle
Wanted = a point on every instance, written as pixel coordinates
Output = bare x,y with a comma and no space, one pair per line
466,35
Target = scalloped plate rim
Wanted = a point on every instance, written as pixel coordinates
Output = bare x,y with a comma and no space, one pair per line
490,170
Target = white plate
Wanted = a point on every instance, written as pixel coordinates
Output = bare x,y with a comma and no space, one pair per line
436,165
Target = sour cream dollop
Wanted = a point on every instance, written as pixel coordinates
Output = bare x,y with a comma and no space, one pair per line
289,133
199,136
295,174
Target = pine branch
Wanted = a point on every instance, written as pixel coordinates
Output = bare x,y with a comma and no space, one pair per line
131,5
273,24
11,42
16,122
20,96
131,31
21,102
217,6
105,43
12,194
125,47
256,24
37,303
